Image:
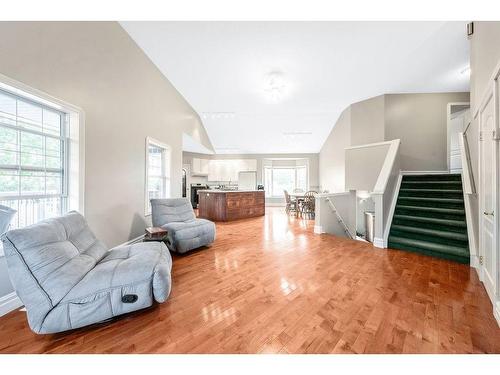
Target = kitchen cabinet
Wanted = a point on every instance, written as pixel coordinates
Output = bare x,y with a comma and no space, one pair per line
229,169
200,167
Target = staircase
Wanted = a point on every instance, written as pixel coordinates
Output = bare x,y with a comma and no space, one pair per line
430,217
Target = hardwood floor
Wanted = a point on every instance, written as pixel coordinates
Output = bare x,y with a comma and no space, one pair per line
270,285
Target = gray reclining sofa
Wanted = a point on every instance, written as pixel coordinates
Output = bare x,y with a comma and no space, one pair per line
68,279
185,231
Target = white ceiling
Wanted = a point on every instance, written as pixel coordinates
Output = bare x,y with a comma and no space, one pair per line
221,69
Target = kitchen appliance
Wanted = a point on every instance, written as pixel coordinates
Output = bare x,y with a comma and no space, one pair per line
194,193
247,180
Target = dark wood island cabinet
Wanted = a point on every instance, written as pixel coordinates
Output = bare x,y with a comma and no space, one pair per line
227,205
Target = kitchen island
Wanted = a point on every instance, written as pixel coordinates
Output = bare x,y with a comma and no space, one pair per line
227,205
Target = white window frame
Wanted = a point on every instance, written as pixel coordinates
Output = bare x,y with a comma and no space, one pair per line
166,172
74,133
295,168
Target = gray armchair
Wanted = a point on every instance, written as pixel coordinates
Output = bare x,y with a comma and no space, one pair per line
68,279
185,231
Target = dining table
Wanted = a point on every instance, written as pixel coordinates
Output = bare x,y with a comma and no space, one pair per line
299,198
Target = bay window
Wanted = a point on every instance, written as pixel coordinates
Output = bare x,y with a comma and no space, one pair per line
280,175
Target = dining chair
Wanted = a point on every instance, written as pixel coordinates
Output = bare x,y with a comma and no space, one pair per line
291,204
308,205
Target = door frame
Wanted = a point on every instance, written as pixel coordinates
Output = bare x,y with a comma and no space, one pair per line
187,167
448,127
491,93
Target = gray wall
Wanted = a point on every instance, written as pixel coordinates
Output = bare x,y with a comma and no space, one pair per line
98,67
484,56
332,155
420,121
368,121
313,166
363,166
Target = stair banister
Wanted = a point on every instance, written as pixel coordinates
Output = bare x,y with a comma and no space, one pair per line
340,219
386,188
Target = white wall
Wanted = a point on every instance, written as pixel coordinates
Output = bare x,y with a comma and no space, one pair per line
368,121
97,67
332,155
363,165
484,56
420,121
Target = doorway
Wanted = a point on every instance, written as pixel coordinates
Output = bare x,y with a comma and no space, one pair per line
458,120
184,183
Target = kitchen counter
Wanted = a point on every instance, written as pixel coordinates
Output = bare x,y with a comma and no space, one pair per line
228,191
227,205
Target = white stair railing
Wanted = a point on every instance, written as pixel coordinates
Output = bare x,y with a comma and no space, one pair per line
339,219
469,182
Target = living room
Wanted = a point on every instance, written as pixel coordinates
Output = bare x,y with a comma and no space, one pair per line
200,186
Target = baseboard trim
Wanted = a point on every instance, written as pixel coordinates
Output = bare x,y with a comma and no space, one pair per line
496,312
318,229
474,261
133,240
9,303
378,242
277,204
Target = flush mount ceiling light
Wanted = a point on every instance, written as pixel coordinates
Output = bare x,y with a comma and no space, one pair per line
275,86
218,115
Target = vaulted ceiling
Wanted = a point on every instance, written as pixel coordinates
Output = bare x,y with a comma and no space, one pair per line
279,87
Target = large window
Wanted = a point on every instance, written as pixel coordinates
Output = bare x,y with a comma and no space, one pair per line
278,178
33,159
157,171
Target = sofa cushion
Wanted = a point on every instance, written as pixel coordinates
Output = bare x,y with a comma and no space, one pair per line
57,252
170,210
124,265
185,236
189,229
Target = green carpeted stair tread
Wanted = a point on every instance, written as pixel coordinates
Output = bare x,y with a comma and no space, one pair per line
431,202
433,177
431,193
449,185
434,199
433,210
449,191
441,236
431,232
433,220
429,246
465,259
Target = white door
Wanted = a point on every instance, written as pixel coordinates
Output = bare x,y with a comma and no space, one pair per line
458,123
488,214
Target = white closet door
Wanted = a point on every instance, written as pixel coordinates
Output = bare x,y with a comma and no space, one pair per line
488,201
